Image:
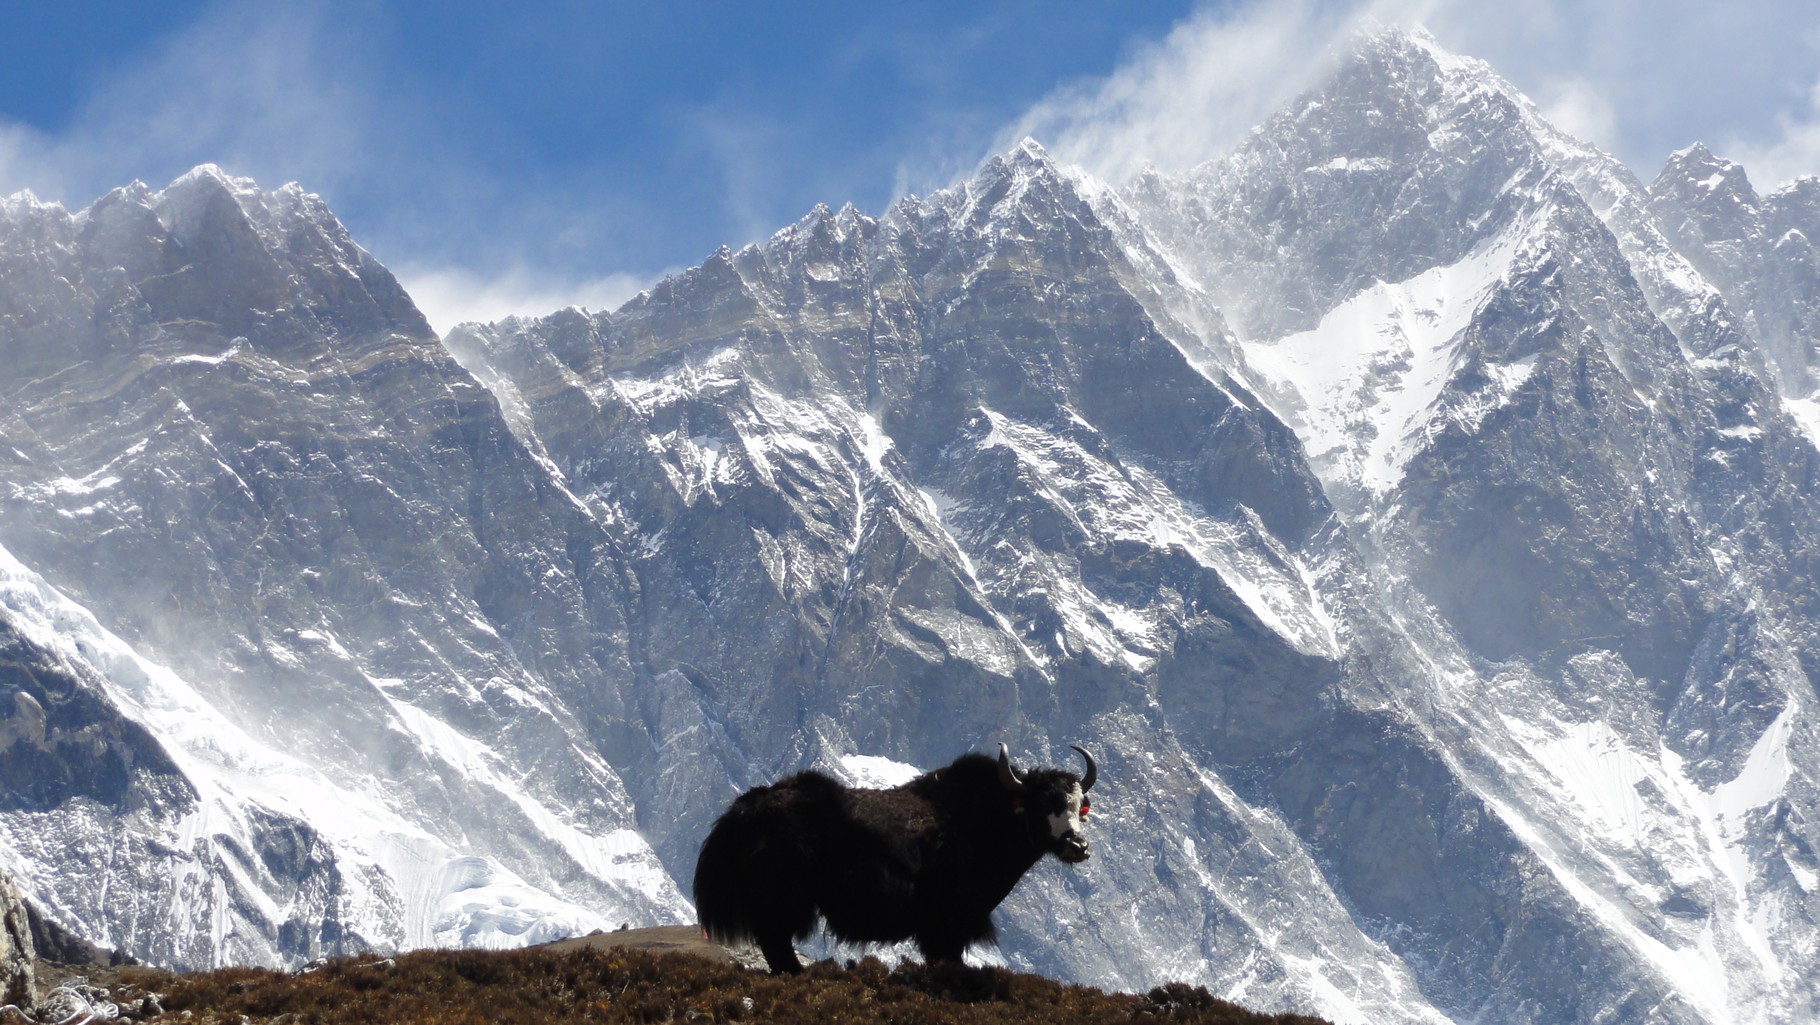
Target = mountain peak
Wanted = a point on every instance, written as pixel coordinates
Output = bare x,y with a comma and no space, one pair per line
213,176
1007,180
1409,46
1026,160
1695,153
1394,85
1804,189
1698,159
195,197
24,199
1028,150
1700,176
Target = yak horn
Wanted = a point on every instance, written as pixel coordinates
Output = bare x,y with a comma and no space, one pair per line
1006,774
1093,771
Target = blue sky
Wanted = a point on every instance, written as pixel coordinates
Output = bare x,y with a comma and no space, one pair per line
521,156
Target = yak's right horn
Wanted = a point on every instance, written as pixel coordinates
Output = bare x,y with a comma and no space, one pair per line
1006,774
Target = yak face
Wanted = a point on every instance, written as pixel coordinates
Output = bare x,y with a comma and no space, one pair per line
1053,804
1061,821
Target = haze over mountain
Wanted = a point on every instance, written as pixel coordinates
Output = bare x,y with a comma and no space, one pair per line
1414,511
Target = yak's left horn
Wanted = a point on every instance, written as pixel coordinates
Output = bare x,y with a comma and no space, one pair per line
1093,771
1006,774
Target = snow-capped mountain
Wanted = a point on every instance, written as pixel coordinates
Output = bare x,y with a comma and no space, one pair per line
291,550
1412,510
1567,456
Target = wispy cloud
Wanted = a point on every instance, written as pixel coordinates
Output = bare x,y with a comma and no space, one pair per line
742,146
1218,74
1580,108
1641,78
1192,95
454,295
309,90
1794,153
299,91
248,87
1637,79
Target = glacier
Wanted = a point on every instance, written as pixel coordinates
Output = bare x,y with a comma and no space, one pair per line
1412,509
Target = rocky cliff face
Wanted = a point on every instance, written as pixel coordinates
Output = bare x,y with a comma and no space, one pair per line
1412,510
18,983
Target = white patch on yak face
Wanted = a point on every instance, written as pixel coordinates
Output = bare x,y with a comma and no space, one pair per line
1069,818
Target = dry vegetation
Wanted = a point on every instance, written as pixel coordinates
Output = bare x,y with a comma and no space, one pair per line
635,986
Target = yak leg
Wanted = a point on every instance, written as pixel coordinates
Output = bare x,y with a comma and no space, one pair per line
947,937
780,953
942,945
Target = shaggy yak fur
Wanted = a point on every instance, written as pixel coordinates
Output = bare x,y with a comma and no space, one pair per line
927,860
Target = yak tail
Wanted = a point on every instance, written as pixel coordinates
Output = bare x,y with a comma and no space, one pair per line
723,888
754,877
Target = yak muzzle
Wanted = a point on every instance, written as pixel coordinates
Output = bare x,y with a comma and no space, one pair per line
1072,848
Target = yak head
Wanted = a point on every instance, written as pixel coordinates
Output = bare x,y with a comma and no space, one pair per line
1053,804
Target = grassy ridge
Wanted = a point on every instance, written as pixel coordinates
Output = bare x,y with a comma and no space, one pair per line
605,987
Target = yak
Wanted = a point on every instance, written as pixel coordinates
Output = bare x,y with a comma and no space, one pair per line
927,860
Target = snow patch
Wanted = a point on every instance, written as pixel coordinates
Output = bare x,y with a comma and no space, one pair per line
1359,387
877,772
1765,774
1806,413
1595,768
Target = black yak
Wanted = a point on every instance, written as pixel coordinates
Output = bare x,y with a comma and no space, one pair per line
927,860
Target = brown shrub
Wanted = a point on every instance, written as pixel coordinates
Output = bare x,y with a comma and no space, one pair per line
634,987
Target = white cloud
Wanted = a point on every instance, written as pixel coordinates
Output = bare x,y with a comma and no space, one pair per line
1642,78
297,91
302,90
742,146
1636,78
1580,108
247,86
455,295
1217,75
1189,97
22,165
1794,154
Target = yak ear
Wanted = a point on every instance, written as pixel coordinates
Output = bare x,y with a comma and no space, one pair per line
1017,805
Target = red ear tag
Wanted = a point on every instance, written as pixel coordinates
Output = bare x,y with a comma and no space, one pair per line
1085,807
1017,804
